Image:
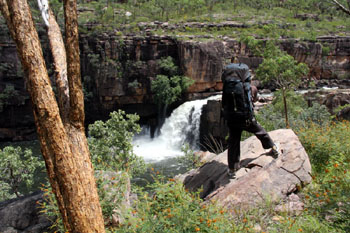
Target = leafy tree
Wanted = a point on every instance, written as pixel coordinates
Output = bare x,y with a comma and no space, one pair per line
17,169
110,143
166,7
278,67
284,72
168,88
296,5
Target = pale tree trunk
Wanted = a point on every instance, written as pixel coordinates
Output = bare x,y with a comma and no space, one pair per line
285,107
61,131
342,7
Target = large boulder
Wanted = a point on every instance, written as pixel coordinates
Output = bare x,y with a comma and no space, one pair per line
23,215
344,114
336,99
261,177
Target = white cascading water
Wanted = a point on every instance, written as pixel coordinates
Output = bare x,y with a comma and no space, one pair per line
181,127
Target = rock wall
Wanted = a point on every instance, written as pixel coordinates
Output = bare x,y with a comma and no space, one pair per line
117,72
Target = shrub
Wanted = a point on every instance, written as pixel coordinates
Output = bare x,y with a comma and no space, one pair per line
328,149
169,206
17,169
110,143
271,116
189,160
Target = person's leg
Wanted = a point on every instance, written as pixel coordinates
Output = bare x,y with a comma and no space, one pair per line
260,133
264,138
233,153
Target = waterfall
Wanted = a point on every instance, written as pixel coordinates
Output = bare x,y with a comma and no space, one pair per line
181,127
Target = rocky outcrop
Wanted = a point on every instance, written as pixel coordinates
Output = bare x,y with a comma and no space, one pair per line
336,99
344,114
213,130
260,178
22,215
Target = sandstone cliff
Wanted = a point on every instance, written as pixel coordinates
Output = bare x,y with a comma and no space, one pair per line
117,72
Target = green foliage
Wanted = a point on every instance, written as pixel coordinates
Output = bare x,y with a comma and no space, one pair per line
50,208
325,50
110,143
17,170
328,149
107,15
271,116
284,71
113,190
169,206
278,67
8,96
189,160
168,66
168,88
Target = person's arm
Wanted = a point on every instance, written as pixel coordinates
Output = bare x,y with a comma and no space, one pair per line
254,91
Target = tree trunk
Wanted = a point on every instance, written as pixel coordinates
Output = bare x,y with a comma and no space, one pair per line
63,142
285,107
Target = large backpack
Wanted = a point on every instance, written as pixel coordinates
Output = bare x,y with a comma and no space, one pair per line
236,96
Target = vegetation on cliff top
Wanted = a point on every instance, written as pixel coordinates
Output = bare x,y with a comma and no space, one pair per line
295,19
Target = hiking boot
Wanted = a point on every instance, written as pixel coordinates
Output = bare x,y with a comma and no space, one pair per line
275,151
231,172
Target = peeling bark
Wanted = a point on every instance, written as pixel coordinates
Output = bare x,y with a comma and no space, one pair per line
60,65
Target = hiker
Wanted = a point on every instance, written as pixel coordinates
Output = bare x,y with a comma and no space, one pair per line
237,108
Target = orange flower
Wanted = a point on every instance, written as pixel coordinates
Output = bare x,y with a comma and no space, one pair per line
221,212
201,219
197,229
317,195
171,179
326,170
245,220
300,229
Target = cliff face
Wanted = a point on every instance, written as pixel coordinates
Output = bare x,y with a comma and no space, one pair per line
117,72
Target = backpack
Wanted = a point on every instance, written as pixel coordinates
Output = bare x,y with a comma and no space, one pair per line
236,96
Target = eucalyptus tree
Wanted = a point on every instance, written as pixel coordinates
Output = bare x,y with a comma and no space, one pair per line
285,72
59,123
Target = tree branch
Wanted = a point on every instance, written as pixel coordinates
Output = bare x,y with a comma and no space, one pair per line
5,12
60,65
341,7
77,116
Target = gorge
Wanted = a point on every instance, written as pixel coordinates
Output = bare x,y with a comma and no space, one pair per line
117,72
